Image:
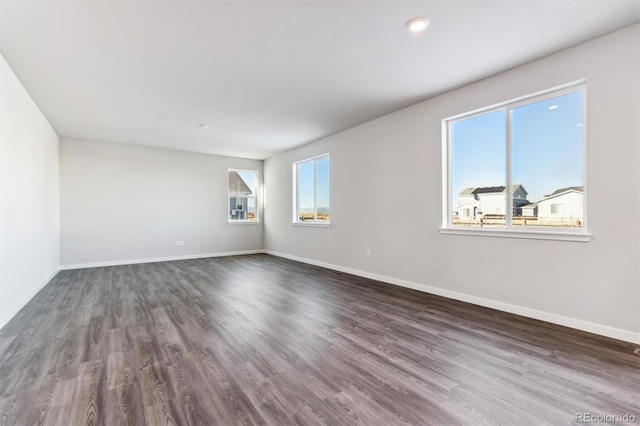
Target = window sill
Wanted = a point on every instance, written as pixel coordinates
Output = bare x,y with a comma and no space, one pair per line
243,222
312,224
580,236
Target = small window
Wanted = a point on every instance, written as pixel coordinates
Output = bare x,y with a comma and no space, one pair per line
311,203
526,152
243,201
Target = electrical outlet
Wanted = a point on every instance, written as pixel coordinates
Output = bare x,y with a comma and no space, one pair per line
281,242
368,254
180,243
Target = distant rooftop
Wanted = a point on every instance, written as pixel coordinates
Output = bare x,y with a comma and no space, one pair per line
491,190
567,189
237,185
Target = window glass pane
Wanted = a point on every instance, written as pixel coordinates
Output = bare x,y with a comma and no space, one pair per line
252,211
306,204
250,179
313,190
478,197
322,189
547,159
242,195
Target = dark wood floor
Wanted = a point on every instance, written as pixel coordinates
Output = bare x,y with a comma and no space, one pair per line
258,339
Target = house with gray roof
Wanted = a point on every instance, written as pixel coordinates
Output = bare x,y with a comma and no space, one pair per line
564,204
238,196
478,201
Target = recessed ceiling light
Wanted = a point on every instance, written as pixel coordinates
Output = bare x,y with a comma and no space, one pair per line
553,107
203,126
417,25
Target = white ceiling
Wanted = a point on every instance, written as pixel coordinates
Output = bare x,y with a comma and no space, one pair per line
269,75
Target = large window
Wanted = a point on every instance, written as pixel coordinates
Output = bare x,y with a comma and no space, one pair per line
311,191
518,166
243,201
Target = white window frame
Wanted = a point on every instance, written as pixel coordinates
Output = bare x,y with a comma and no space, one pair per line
579,234
231,221
296,216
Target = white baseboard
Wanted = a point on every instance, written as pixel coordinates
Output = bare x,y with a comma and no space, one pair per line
157,259
587,326
590,327
6,317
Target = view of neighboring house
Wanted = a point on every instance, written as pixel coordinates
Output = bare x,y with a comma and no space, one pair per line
490,200
238,196
564,203
530,210
563,207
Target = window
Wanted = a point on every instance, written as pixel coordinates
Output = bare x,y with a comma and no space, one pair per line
243,202
311,191
520,165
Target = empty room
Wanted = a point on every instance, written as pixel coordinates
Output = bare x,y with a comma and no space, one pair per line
320,212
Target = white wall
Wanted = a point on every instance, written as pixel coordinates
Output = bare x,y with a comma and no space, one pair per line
396,160
121,203
29,197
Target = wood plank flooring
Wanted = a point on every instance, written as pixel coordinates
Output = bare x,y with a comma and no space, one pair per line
262,340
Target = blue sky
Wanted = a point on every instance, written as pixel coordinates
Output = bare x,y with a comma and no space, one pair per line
306,182
547,148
